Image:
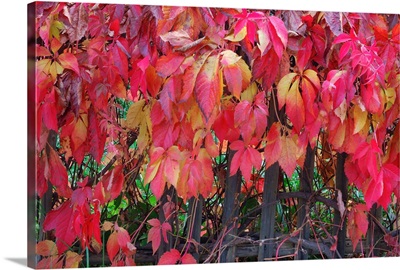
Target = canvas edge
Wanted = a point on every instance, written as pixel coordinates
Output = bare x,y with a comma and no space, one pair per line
31,135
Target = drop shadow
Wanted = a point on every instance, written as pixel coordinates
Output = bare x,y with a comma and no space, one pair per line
20,261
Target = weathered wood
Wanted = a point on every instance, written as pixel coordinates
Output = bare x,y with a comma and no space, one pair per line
306,178
164,199
340,225
230,211
267,228
194,228
247,248
270,191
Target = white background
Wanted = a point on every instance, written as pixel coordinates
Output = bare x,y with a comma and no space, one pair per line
13,153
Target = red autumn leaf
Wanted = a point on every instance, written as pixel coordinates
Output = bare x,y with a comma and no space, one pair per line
273,30
224,126
236,72
112,245
390,179
289,94
81,195
287,159
41,185
168,64
304,54
58,174
156,232
46,248
246,157
208,87
97,136
357,223
112,183
49,111
196,176
170,257
68,60
61,220
273,148
52,262
188,259
374,190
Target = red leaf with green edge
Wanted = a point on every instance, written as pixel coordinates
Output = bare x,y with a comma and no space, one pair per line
190,76
69,61
188,259
236,72
97,136
61,220
167,64
287,159
58,174
357,223
273,147
208,87
295,106
170,257
112,246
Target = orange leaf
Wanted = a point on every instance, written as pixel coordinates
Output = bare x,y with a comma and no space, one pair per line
295,106
46,248
112,245
287,159
69,61
208,86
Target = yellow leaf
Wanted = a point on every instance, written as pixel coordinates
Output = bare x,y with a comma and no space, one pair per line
390,95
249,93
360,118
284,86
239,36
134,115
72,260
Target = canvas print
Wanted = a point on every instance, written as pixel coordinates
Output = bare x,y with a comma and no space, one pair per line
183,135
